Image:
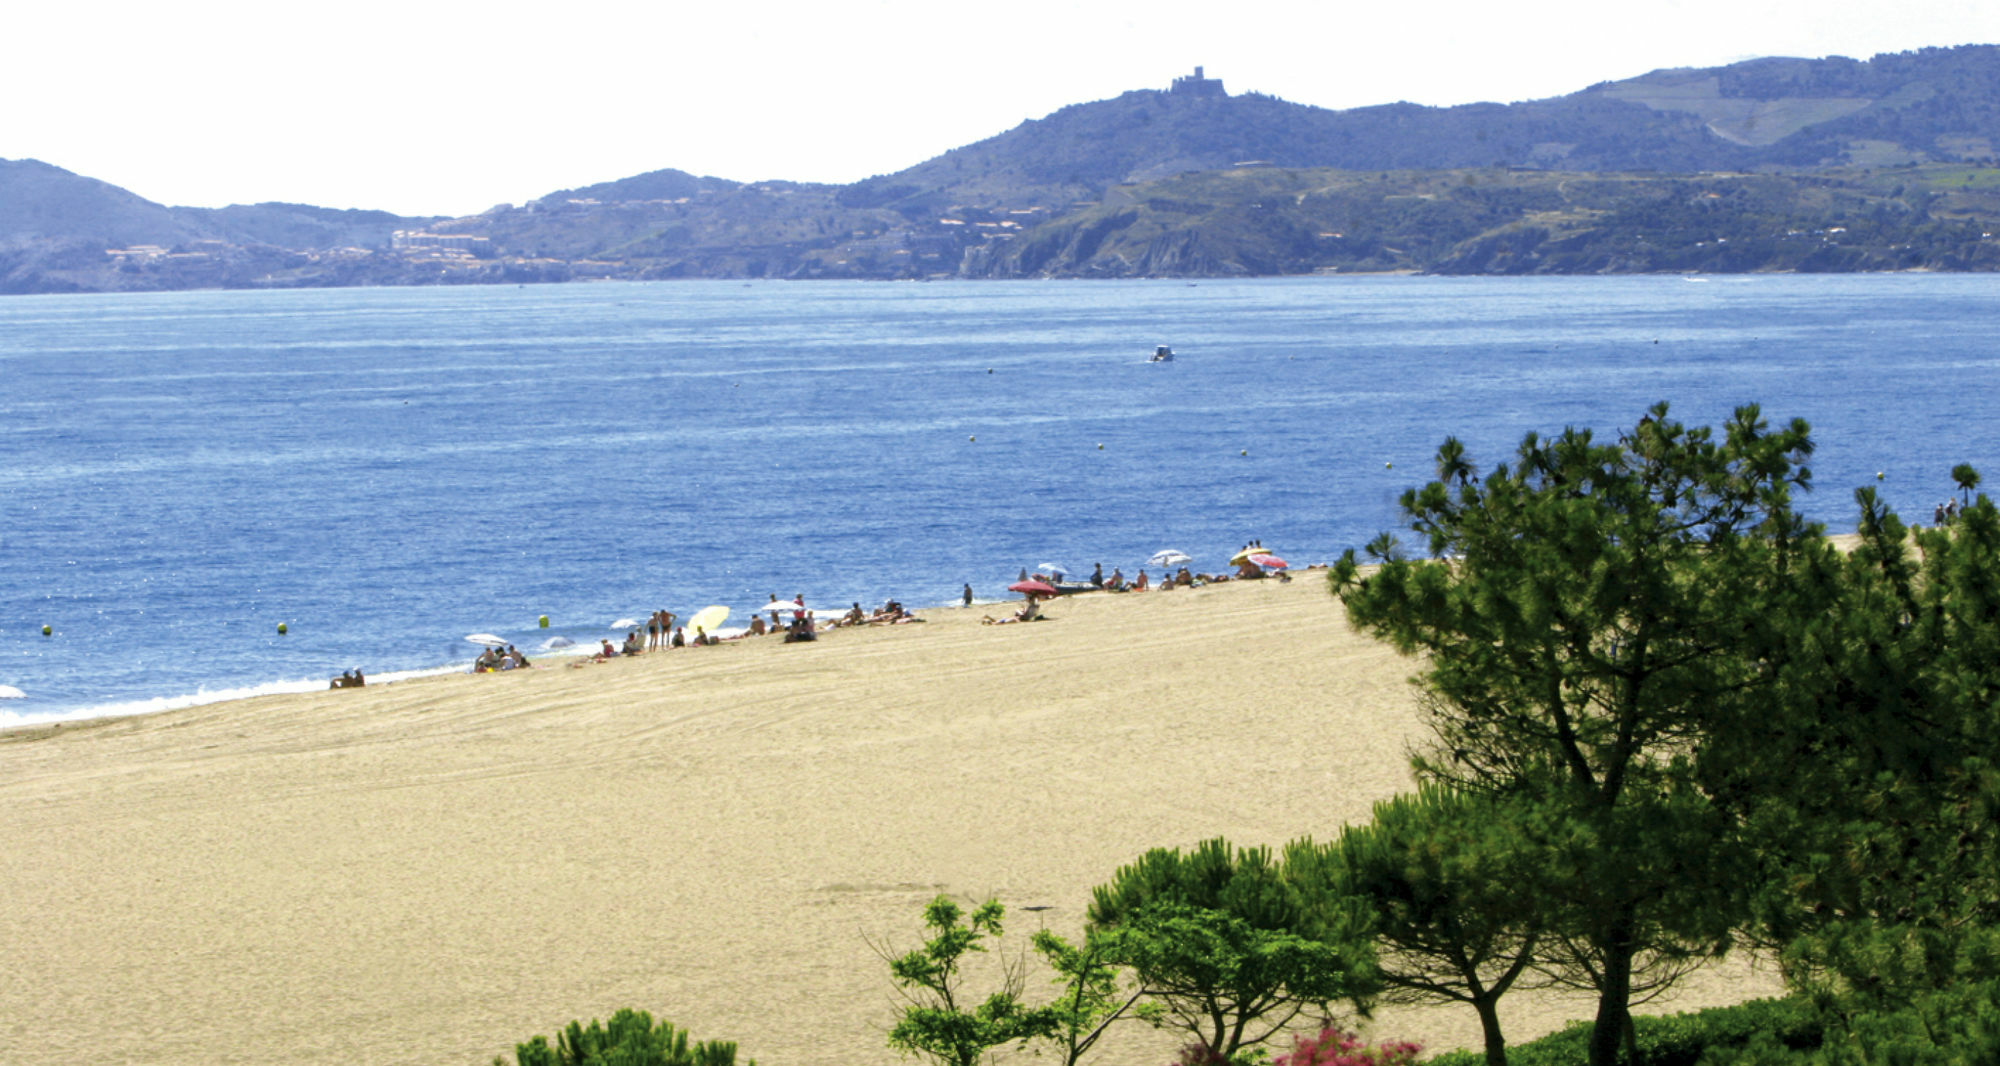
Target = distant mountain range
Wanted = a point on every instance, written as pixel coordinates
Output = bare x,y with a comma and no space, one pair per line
1771,164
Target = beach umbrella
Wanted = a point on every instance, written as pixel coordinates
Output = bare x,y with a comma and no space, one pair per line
1268,561
1032,588
708,618
9,692
1240,557
486,638
1054,568
1169,557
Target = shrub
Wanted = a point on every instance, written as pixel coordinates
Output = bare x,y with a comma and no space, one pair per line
1333,1047
631,1039
1676,1039
1199,1053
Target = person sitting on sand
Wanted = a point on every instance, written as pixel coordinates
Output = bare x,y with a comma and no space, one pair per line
607,654
488,659
1167,583
514,656
680,636
1139,584
633,645
1183,577
1097,576
854,616
757,625
1029,613
1117,582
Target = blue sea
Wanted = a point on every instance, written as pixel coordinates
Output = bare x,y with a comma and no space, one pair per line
385,471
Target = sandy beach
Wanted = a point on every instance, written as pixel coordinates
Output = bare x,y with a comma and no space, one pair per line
430,871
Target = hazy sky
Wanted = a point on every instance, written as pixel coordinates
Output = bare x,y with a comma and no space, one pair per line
431,107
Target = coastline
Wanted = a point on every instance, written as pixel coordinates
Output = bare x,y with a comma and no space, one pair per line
445,866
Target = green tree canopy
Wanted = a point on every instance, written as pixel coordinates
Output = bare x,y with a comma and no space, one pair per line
1226,943
1590,612
1453,883
1881,839
936,1021
1966,478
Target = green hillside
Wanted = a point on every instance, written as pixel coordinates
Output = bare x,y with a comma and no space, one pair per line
1769,164
1260,222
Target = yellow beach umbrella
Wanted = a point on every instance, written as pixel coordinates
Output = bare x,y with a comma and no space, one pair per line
708,619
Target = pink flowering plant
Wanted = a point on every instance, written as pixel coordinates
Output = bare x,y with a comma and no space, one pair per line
1332,1047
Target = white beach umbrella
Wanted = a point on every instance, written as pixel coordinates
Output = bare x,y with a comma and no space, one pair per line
1169,557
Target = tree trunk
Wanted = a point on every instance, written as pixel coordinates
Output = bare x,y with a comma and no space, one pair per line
1489,1024
1614,994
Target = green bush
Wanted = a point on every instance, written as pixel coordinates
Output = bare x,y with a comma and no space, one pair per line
631,1039
1776,1025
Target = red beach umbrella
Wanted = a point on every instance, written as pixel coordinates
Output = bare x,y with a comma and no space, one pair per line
1033,588
1268,561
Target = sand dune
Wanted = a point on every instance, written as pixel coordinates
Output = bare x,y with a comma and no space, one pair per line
430,871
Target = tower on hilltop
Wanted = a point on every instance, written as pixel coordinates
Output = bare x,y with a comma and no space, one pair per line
1196,85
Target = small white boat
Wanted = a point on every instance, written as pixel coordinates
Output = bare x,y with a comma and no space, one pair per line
1162,354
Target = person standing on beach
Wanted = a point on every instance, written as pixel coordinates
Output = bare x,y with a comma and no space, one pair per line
653,631
968,594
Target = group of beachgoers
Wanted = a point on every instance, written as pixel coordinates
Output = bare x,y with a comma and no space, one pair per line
789,619
1170,579
660,631
499,657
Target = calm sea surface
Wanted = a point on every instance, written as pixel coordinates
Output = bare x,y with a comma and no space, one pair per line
387,471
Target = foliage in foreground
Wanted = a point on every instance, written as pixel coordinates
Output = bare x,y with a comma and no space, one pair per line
1882,853
935,1023
1332,1047
1589,614
1727,731
1230,946
1452,881
631,1039
939,1020
1676,1039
